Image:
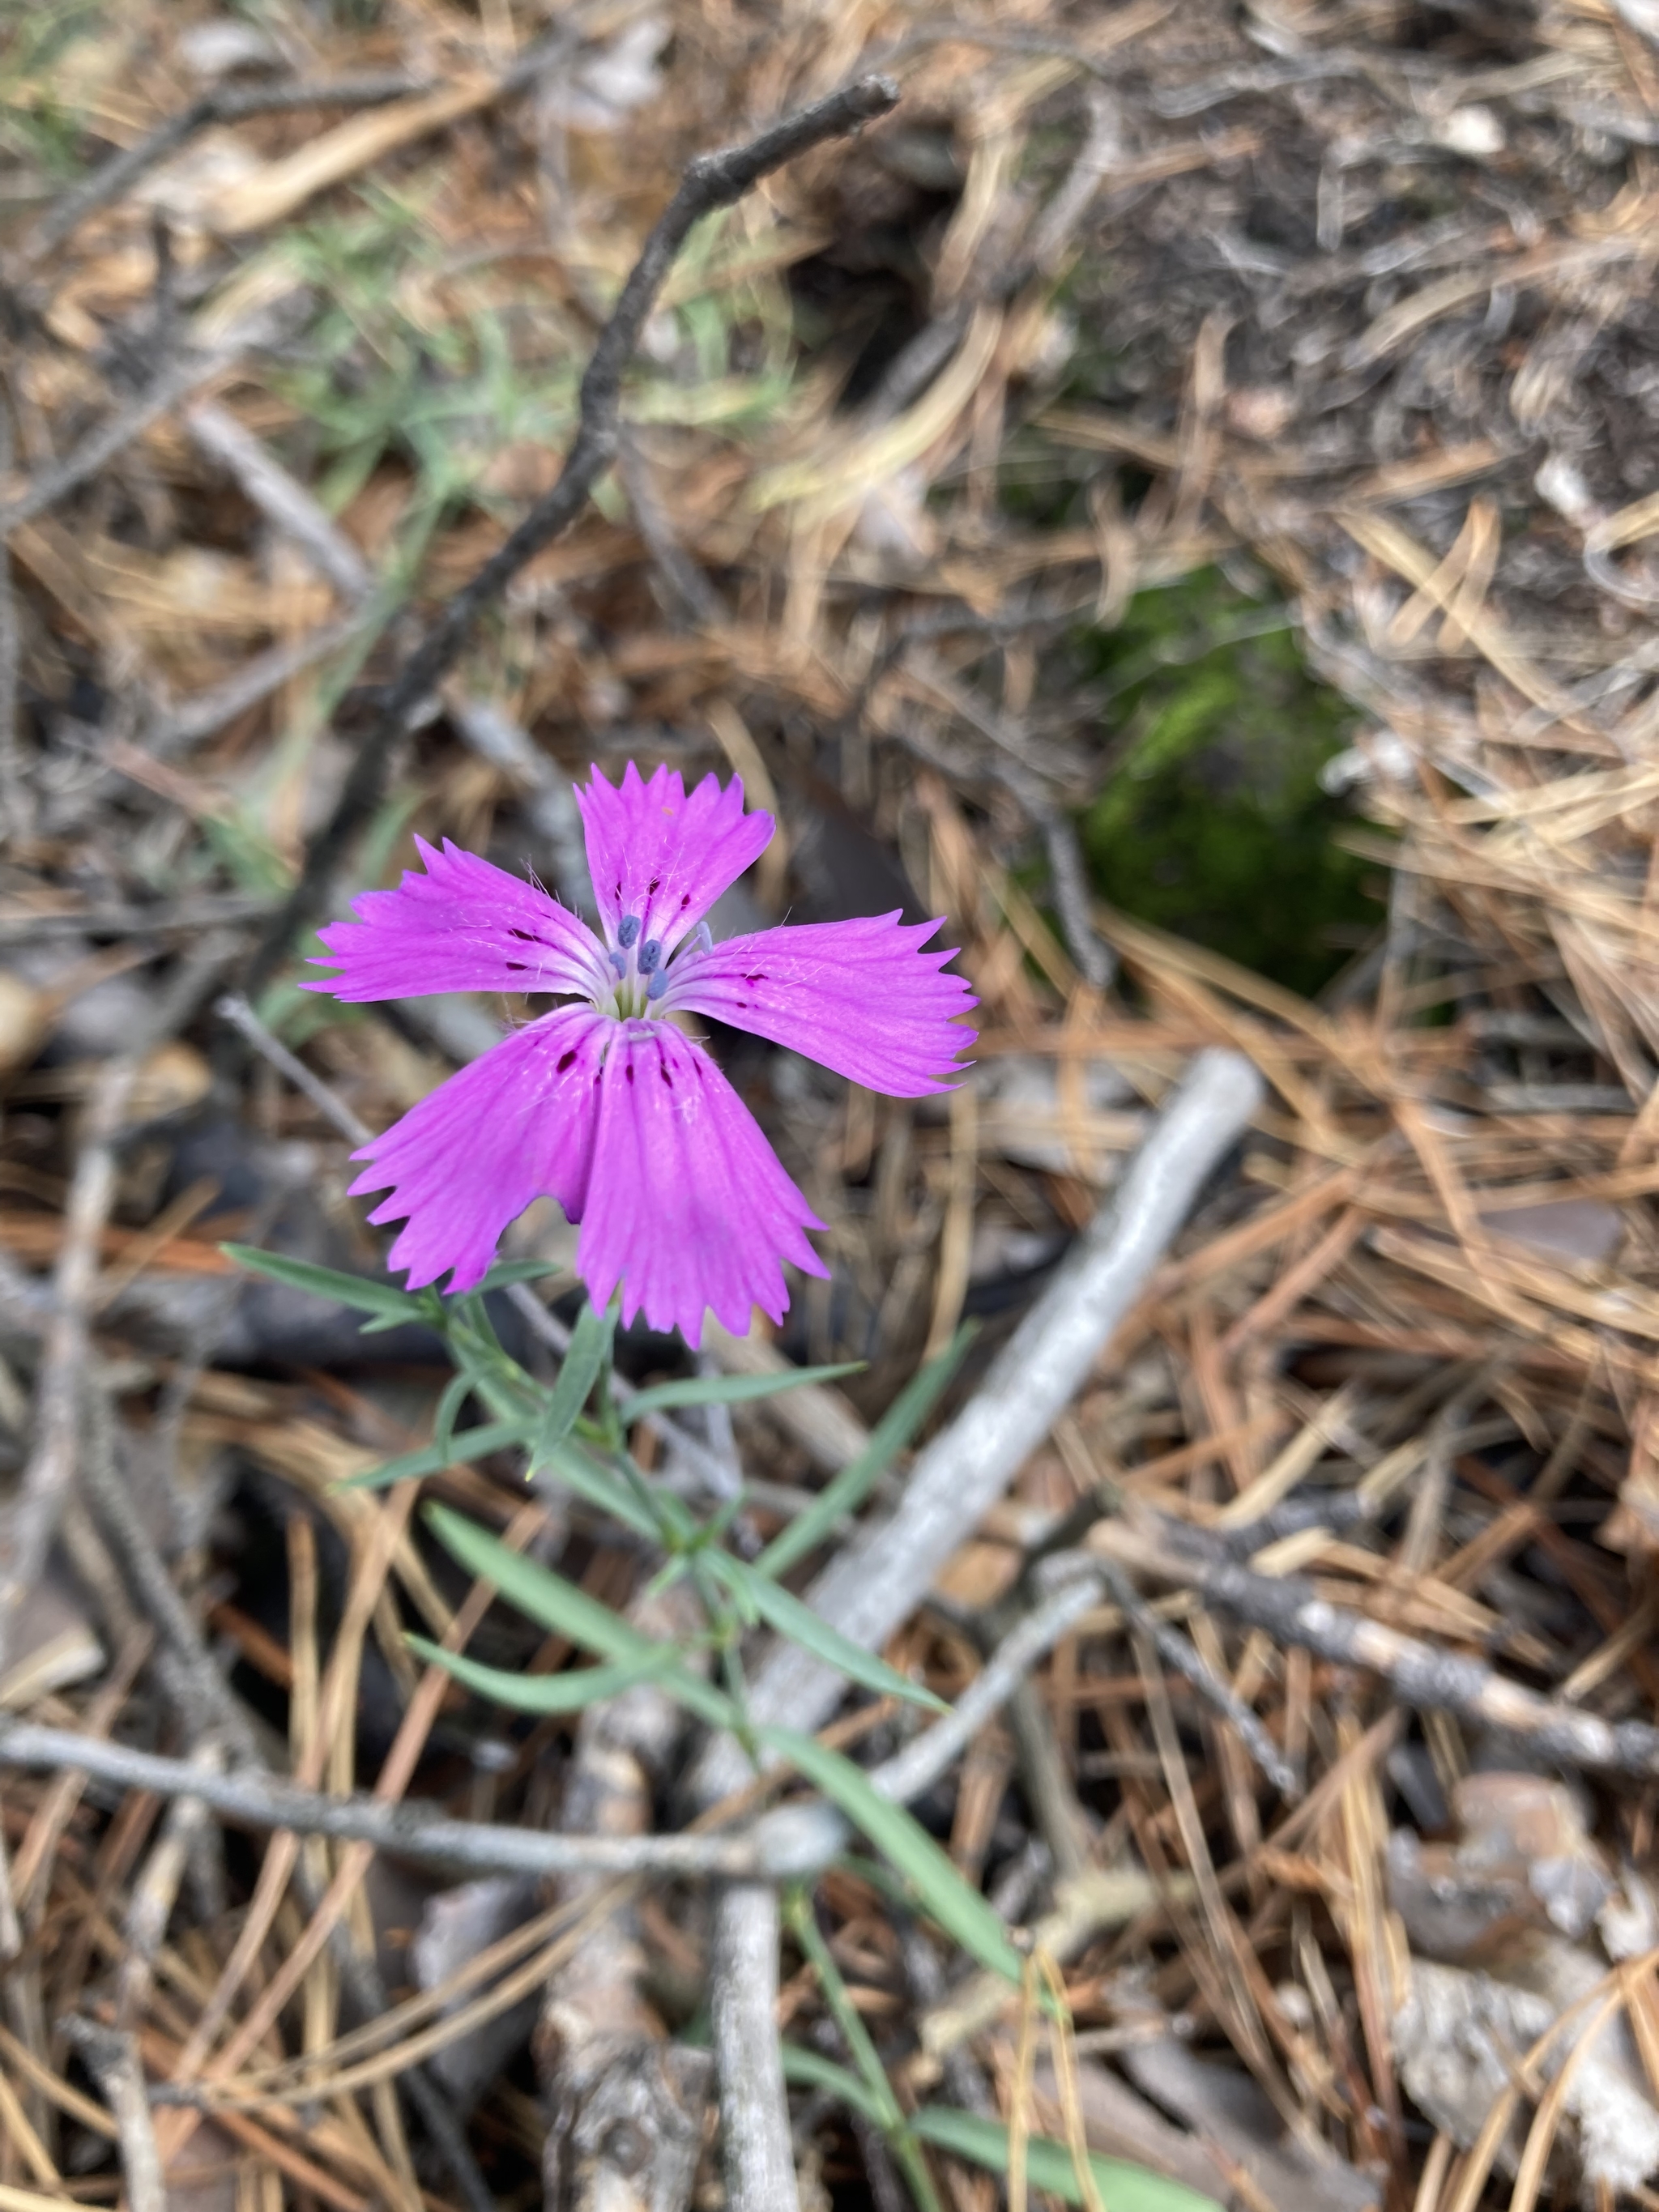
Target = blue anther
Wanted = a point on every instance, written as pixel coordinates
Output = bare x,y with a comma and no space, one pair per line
650,956
658,984
618,961
628,931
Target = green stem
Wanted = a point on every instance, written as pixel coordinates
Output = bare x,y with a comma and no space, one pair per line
799,1918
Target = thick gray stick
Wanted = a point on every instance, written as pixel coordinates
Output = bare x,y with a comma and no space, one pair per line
114,2060
759,2161
883,1575
778,1847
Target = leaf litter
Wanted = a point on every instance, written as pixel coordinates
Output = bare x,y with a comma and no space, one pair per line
1349,304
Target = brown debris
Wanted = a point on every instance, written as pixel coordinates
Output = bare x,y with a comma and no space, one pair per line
1372,288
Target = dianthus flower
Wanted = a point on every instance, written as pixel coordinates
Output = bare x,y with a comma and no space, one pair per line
605,1104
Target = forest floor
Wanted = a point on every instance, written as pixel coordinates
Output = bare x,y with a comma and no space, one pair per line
1170,489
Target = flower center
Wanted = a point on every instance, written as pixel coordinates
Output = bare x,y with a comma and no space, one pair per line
642,975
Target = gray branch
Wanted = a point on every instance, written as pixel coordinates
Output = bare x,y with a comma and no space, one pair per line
880,1578
772,1849
759,2161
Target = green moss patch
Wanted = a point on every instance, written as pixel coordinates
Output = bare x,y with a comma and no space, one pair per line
1213,823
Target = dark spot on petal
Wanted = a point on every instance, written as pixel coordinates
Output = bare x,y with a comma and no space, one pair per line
686,901
755,979
629,1070
525,936
565,1059
517,967
662,1070
655,884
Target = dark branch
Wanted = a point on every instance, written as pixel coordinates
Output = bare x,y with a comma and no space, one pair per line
1291,1610
711,181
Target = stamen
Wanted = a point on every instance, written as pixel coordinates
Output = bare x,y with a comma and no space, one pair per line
705,937
657,985
650,956
618,960
627,931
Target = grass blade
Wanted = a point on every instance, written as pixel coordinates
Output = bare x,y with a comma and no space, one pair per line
779,1609
859,1477
599,1486
431,1459
584,1362
807,2070
506,1273
729,1389
356,1291
569,1692
937,1887
1123,2187
554,1603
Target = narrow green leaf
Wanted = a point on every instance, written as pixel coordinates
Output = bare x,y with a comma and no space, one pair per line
378,1324
456,1392
569,1692
506,1273
1123,2188
555,1604
807,2070
433,1458
939,1889
729,1389
786,1613
586,1359
849,1489
340,1290
798,1919
587,1479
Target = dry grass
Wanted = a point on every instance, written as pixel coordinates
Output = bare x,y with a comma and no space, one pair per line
1354,299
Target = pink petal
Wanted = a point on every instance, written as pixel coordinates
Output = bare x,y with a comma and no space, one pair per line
687,1206
463,925
861,997
662,857
515,1125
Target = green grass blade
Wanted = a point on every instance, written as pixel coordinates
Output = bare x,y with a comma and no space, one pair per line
340,1290
798,1918
856,1480
729,1389
506,1273
433,1459
1123,2188
937,1885
585,1478
569,1692
790,1617
555,1604
806,2070
586,1359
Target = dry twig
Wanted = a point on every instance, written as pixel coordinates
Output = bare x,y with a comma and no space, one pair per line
49,1471
712,180
881,1576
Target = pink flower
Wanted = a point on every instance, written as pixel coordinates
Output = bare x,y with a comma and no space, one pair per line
605,1104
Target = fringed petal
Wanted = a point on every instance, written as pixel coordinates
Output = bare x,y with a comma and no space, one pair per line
688,1208
517,1124
461,926
861,997
663,858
